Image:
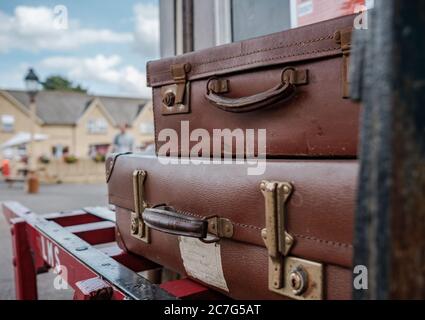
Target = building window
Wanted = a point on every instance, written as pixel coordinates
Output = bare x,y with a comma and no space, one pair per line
253,18
146,128
7,123
237,20
304,12
98,152
59,151
97,126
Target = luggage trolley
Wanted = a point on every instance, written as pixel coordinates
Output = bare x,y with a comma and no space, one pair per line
81,247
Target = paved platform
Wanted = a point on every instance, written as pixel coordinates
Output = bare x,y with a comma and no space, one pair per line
52,198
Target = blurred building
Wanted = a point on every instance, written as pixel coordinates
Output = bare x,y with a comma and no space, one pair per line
75,124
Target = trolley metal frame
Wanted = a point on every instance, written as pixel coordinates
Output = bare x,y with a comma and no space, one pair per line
69,243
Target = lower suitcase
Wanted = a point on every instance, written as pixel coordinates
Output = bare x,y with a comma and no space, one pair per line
285,234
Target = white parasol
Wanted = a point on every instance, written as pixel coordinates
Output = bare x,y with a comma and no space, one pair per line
22,138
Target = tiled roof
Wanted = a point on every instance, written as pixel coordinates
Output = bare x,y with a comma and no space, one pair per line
65,108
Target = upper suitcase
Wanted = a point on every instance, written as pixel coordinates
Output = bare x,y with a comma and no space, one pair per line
294,84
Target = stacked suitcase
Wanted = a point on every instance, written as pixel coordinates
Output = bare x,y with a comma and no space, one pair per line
283,231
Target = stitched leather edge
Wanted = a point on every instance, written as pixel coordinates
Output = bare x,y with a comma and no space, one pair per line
278,58
299,44
326,242
280,46
155,83
246,226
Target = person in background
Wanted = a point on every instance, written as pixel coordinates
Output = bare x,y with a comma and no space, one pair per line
6,172
5,169
123,141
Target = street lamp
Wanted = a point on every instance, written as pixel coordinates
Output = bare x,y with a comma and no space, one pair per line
32,84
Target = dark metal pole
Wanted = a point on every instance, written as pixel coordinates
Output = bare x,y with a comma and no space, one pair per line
187,26
389,78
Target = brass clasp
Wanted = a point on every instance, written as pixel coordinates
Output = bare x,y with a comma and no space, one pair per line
139,229
176,97
291,277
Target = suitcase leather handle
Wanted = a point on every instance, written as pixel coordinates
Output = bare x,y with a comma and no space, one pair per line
167,220
291,77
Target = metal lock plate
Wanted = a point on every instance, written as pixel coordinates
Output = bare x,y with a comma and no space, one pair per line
291,277
176,97
139,229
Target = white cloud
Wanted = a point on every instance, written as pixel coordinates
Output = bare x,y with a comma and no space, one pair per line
13,78
36,28
146,32
107,70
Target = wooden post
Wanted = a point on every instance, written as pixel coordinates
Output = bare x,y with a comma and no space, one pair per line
389,77
32,175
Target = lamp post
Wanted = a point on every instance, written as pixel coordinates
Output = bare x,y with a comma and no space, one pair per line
32,84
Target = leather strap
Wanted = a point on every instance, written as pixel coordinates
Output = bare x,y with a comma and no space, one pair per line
167,220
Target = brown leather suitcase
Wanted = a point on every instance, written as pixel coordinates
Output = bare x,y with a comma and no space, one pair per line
294,84
285,234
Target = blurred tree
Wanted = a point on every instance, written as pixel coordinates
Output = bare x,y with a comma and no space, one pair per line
56,82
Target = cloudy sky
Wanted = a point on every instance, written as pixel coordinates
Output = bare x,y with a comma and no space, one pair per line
103,45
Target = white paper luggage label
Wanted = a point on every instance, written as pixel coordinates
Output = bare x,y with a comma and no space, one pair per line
203,262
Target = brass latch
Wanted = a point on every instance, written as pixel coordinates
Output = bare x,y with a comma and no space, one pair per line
217,85
176,97
291,277
220,227
343,38
139,229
